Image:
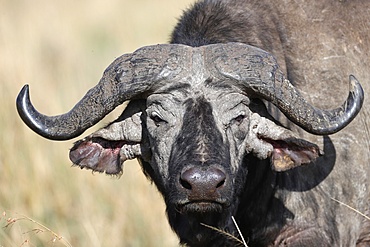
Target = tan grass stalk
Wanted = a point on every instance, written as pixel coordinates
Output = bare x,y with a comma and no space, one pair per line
353,209
56,237
228,235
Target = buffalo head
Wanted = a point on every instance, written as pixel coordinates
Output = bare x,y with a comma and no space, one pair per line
194,115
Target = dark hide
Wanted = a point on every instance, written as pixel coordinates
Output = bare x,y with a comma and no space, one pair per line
211,22
199,144
262,216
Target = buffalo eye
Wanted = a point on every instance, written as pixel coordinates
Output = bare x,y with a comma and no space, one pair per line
157,118
238,119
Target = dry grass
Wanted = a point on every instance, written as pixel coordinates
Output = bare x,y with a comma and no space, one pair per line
238,242
61,48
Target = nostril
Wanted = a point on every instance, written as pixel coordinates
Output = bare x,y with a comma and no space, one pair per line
220,184
190,178
217,177
185,184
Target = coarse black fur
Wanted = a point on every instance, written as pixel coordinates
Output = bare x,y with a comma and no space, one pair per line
262,216
211,22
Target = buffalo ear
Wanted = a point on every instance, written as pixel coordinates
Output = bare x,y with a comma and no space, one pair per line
108,148
268,139
292,152
102,155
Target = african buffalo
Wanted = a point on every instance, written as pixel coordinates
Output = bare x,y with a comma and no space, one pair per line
233,119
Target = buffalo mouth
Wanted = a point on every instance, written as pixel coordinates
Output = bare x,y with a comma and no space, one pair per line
202,207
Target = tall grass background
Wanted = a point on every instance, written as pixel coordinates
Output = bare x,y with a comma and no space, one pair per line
61,48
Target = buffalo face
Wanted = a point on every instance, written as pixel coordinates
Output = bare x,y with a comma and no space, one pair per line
192,145
198,142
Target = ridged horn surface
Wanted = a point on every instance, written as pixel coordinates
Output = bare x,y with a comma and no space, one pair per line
256,72
129,76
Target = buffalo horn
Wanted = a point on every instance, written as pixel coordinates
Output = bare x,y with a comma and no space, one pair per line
257,73
129,76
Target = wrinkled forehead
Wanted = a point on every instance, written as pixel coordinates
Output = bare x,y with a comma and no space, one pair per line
191,73
185,70
197,66
217,92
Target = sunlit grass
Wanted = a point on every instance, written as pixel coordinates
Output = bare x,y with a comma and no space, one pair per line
61,48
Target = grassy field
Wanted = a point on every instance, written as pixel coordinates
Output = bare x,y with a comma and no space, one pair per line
61,49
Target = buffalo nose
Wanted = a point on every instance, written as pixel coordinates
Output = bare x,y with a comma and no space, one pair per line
202,183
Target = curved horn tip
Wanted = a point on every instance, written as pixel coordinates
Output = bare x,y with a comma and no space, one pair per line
22,103
356,92
351,106
26,110
355,85
31,117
